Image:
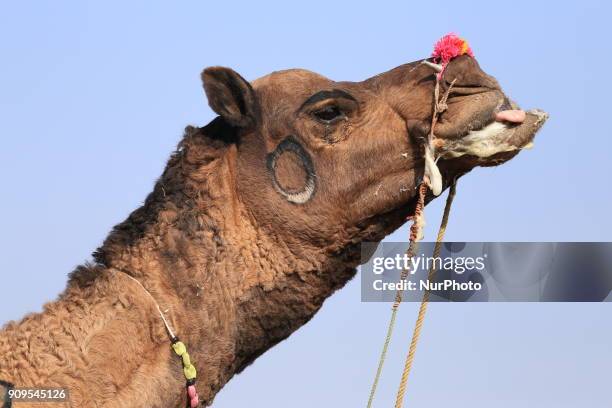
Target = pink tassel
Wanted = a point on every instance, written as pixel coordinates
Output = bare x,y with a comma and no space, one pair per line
194,401
449,47
191,391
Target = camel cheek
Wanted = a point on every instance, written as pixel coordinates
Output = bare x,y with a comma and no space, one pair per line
290,174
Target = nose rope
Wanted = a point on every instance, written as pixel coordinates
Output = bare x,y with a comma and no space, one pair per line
432,179
415,235
432,175
399,400
415,232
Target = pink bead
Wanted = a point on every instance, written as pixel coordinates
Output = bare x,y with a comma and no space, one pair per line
191,391
195,401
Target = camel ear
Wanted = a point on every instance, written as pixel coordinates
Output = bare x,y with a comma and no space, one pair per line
230,96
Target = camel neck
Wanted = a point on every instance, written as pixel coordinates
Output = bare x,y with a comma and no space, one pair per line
102,341
230,289
162,316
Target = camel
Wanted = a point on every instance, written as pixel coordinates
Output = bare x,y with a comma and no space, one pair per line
257,218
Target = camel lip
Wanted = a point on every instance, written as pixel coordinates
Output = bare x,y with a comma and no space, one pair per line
507,112
496,141
522,134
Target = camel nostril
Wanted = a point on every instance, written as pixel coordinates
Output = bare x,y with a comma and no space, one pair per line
506,105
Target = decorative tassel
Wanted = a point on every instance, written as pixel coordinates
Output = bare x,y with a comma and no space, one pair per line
449,47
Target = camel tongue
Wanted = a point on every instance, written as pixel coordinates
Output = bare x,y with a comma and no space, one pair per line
511,115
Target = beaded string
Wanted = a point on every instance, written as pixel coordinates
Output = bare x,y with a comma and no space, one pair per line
189,370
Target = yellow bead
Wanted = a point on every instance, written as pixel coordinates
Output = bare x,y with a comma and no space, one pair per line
186,359
179,348
190,372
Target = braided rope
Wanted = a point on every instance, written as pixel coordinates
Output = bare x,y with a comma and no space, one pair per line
383,355
410,252
439,106
425,301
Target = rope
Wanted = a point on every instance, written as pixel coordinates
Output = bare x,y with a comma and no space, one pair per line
161,314
425,301
410,252
383,355
439,106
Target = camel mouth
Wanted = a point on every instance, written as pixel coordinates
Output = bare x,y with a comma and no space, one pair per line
509,131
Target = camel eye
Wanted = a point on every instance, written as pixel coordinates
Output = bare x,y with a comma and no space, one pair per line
329,114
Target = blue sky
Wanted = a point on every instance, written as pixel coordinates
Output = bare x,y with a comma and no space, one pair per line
94,96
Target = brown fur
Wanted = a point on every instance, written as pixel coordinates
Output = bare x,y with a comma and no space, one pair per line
237,267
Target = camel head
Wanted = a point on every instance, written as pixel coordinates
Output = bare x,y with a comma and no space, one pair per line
326,162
